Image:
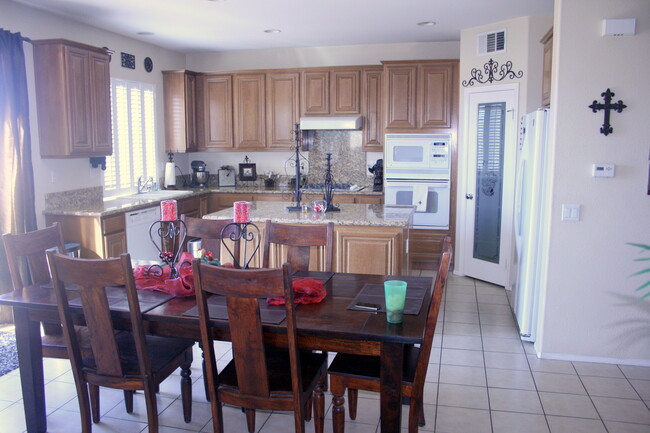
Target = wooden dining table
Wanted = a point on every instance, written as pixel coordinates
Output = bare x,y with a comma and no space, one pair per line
328,325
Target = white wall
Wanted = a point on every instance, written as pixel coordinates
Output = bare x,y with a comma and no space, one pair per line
320,56
591,309
70,174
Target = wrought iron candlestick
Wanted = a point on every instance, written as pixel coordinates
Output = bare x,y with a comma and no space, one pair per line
297,193
241,233
171,235
329,188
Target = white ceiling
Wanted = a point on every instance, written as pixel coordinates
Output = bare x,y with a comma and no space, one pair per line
205,25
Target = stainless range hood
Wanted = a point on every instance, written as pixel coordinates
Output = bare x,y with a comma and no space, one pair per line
340,122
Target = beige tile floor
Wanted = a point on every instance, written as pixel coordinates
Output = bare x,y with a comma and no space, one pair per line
481,378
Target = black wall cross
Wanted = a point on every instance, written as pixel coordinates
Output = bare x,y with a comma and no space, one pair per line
607,106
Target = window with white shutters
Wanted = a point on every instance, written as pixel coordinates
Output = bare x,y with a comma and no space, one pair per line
134,137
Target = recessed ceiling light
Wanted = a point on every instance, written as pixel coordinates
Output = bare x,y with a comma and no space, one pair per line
146,33
427,23
272,31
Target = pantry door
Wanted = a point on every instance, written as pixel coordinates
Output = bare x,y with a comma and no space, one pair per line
489,185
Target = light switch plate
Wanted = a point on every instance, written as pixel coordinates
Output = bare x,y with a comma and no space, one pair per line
603,170
570,212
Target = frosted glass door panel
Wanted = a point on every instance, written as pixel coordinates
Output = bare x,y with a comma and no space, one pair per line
489,181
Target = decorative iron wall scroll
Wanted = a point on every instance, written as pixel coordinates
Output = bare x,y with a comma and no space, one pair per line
492,69
607,107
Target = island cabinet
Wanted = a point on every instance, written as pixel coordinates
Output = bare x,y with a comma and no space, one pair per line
216,123
249,111
331,92
99,237
426,247
181,122
372,250
73,99
420,95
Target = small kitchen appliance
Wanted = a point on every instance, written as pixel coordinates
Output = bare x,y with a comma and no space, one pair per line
199,175
226,176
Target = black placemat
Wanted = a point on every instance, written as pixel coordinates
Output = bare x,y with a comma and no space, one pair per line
374,294
117,299
271,314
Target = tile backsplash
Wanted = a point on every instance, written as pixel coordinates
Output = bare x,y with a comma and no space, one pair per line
348,160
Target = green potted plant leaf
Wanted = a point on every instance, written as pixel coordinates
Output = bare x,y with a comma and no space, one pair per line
646,285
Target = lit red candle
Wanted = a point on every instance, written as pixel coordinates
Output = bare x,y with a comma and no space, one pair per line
241,212
168,210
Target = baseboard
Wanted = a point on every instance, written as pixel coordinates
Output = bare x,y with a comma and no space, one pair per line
599,359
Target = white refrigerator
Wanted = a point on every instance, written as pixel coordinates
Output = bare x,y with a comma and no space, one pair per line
531,199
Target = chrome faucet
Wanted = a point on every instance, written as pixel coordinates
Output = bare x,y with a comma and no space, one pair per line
146,186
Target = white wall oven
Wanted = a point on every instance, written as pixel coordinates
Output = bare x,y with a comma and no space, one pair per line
417,173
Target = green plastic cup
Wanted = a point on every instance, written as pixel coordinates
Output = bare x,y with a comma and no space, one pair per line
395,294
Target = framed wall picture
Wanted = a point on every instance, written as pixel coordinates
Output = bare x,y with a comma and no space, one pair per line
247,172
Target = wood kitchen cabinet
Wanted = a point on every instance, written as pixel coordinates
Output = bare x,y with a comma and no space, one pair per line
216,123
371,108
180,95
547,40
420,95
426,247
344,92
250,111
315,93
375,250
330,92
99,237
73,99
282,109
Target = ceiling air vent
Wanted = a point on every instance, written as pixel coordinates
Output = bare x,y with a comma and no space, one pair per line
491,42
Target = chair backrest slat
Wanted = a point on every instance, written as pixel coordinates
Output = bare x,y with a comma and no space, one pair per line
432,315
242,289
298,240
27,251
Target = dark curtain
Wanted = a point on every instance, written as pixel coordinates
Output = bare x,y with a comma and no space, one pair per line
17,209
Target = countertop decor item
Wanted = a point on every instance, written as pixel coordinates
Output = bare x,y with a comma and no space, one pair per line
247,171
595,106
297,195
329,187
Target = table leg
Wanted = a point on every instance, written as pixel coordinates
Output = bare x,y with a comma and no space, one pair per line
392,358
30,361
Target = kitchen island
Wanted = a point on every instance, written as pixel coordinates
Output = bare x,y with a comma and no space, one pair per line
368,238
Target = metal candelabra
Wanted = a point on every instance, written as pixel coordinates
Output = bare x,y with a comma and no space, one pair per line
238,232
329,187
297,193
171,235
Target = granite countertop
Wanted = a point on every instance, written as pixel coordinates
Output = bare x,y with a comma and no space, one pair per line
79,204
350,215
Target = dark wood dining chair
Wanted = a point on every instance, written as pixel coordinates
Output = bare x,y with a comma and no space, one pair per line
298,240
356,372
122,360
210,232
28,266
258,377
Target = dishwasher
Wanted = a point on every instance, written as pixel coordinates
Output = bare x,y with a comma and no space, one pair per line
138,243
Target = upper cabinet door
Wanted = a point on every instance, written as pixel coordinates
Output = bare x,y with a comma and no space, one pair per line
282,108
400,96
181,133
78,84
217,116
315,93
249,105
371,92
345,92
435,91
100,83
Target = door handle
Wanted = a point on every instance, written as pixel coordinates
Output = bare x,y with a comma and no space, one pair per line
469,196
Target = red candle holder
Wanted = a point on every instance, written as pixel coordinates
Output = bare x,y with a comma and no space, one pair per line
168,210
241,212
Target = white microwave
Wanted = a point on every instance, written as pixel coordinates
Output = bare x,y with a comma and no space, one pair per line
417,156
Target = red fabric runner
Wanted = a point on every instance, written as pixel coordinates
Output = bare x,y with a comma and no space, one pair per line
306,291
180,287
